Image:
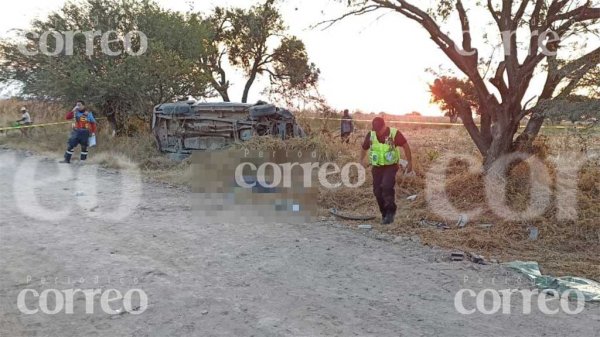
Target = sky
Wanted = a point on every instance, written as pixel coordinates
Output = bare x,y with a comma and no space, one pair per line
371,63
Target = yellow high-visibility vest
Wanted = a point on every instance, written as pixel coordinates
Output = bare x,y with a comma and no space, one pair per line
387,153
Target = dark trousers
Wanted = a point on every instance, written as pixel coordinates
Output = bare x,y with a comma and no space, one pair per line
384,183
78,137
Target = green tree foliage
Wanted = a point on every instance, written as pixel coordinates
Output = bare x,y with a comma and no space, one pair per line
119,85
255,41
573,108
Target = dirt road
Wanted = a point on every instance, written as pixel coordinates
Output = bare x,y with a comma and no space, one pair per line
203,277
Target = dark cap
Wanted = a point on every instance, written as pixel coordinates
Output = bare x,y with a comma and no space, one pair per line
378,123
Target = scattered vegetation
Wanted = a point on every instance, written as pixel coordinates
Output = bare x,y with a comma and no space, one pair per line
569,247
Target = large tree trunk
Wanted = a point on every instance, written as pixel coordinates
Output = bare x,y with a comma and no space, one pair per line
501,145
221,86
247,87
224,94
524,142
501,115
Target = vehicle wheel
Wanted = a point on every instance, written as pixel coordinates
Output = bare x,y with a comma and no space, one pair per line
262,110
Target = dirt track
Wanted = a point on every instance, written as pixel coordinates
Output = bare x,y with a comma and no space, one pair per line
204,277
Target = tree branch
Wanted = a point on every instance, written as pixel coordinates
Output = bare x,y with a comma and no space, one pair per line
498,80
466,27
466,63
493,12
520,13
583,13
361,11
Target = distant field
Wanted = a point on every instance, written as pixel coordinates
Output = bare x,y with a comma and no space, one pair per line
563,247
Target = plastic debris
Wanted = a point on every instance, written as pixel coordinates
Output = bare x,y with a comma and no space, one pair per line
463,220
588,288
533,233
412,198
365,226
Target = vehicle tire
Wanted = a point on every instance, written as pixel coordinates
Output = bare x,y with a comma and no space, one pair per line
258,111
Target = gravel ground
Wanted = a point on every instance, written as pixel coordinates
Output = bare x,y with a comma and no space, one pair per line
204,276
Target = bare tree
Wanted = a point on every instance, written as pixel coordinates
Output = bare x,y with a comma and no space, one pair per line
501,105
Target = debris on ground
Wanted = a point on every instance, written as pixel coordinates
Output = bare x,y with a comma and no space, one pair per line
349,216
588,288
463,220
412,198
478,259
485,225
365,226
457,256
460,256
533,233
436,224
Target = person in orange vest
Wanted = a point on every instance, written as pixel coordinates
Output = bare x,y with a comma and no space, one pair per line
383,146
83,128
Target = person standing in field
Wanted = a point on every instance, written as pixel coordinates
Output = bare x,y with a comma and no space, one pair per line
25,120
383,146
83,128
347,127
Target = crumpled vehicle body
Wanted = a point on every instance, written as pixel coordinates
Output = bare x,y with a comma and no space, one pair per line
184,127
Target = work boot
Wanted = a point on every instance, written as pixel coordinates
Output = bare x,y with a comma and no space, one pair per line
67,157
64,161
388,219
391,217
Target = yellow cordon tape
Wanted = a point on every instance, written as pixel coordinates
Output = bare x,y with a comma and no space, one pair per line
437,123
31,126
39,125
320,118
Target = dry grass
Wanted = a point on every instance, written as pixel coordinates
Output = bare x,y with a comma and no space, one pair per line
111,152
563,247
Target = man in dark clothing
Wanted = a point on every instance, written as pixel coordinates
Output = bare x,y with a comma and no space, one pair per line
347,127
383,145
